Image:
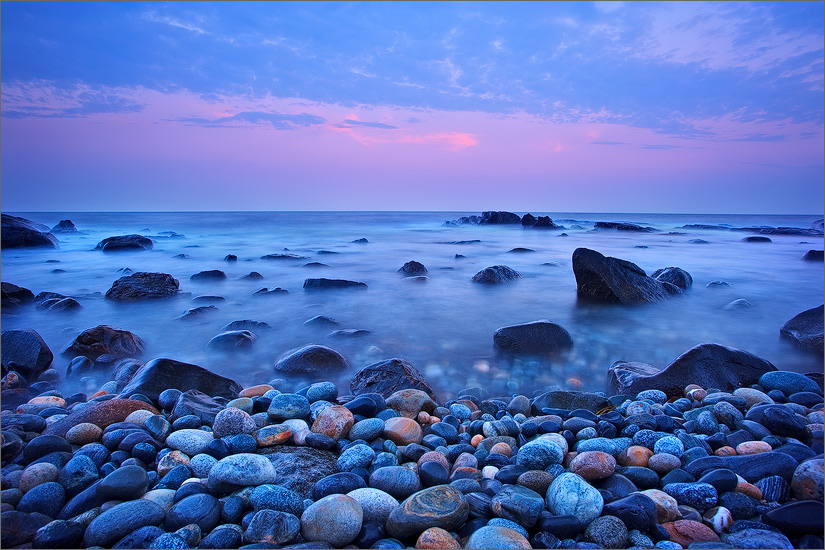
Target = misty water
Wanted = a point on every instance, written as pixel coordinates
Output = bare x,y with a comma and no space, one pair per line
443,326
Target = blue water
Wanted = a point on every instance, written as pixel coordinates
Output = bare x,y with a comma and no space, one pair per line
443,326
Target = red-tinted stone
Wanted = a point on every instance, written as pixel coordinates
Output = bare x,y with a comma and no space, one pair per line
334,421
686,532
100,414
402,430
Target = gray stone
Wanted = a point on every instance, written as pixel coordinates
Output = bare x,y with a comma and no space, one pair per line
536,337
569,494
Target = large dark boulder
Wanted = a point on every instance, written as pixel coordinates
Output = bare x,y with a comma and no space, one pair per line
623,226
806,330
14,296
208,276
104,339
125,242
499,218
528,220
814,256
496,274
708,365
26,352
196,403
64,226
387,377
570,400
324,284
675,276
542,222
22,233
608,279
313,360
143,286
540,336
162,374
413,268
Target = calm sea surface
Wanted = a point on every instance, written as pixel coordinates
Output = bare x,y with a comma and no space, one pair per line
443,326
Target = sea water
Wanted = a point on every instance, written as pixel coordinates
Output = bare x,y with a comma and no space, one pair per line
444,325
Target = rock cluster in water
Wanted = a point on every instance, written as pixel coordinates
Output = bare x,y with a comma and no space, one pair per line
170,455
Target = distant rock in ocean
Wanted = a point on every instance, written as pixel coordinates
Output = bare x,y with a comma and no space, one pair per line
623,226
143,286
125,242
496,274
325,284
608,279
536,337
22,233
64,226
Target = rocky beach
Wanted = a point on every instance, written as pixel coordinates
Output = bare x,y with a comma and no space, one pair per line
105,448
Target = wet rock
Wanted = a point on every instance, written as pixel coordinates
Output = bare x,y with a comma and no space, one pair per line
104,339
536,337
623,226
208,276
312,359
805,330
814,256
607,279
19,527
201,509
439,506
241,470
26,351
125,483
518,504
335,519
413,268
402,431
687,532
125,242
756,538
101,414
807,482
387,377
232,340
299,468
22,233
396,481
569,494
756,239
120,520
796,519
328,284
161,374
607,531
708,365
143,286
497,536
674,275
496,274
14,296
272,527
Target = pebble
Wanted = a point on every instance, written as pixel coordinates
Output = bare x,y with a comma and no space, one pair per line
436,537
788,382
120,520
807,482
496,536
37,474
667,508
241,470
607,532
288,405
592,465
125,483
189,441
376,505
402,430
518,504
687,532
232,421
396,481
440,506
335,519
570,494
275,497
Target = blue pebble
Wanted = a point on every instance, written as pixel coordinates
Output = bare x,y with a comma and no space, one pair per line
357,456
669,444
602,444
511,524
322,391
367,429
657,396
288,405
788,382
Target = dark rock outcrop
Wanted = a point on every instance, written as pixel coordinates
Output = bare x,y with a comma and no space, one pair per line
324,284
26,352
143,286
624,226
496,274
756,239
22,233
818,225
313,360
806,330
283,257
64,226
542,222
413,268
536,337
814,256
208,276
14,296
608,279
104,339
160,374
675,276
570,400
708,365
500,217
232,340
387,377
125,242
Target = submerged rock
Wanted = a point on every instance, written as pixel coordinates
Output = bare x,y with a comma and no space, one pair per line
496,274
814,256
323,284
806,329
623,226
26,352
143,286
232,340
13,295
674,275
387,377
125,242
413,268
22,233
708,365
64,226
104,339
311,359
540,336
608,279
161,374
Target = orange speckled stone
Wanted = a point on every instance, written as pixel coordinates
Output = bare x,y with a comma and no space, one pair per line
592,465
434,456
423,418
476,440
725,451
274,434
255,391
465,473
48,400
402,430
36,474
667,509
749,489
436,537
686,532
502,448
635,455
753,448
171,460
469,404
84,433
334,421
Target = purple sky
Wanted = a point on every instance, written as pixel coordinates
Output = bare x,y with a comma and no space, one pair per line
600,107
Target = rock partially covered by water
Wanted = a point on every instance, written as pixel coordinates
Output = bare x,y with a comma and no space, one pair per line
161,374
708,365
500,217
325,284
806,330
13,295
675,276
496,274
413,268
103,339
26,352
623,226
232,340
311,359
814,256
387,377
125,242
540,336
542,222
608,279
22,233
64,226
143,286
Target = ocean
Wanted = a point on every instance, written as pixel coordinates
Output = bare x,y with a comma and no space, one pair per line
443,326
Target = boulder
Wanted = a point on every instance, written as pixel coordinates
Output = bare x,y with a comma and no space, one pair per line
22,233
26,352
818,225
64,226
104,339
708,365
196,403
283,257
143,286
805,330
324,284
313,360
542,222
814,256
608,279
13,295
496,274
161,374
756,239
623,226
387,377
101,414
675,276
528,220
499,218
540,336
207,276
413,268
232,340
125,242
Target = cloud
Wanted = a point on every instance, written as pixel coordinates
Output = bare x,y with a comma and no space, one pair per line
350,123
42,100
173,22
279,121
602,142
661,146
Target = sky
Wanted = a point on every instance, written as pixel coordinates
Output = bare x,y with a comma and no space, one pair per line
682,107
